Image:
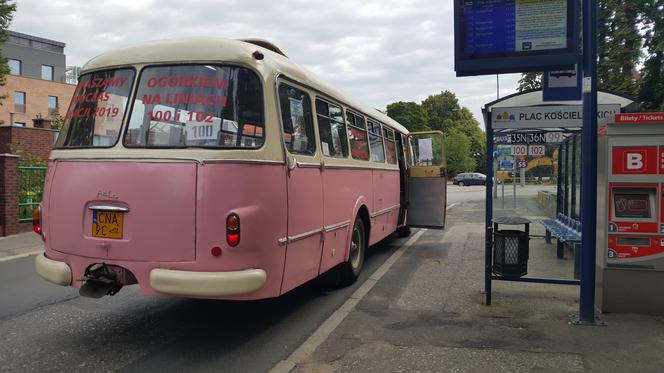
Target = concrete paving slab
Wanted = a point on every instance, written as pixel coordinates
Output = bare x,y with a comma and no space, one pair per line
427,315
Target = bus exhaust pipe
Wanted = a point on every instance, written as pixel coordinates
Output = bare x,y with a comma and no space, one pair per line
102,279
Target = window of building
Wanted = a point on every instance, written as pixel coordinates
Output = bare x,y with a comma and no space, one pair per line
52,105
376,143
19,102
47,72
297,120
357,134
19,124
332,129
14,66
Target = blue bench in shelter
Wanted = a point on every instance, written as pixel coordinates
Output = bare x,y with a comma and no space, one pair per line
568,232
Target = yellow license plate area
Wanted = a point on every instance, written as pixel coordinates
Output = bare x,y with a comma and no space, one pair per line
107,224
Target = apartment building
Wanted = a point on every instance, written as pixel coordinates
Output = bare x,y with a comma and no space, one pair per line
36,85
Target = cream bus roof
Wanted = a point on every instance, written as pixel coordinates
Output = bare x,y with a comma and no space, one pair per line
227,50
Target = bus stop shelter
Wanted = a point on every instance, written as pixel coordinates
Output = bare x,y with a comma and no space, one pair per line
511,122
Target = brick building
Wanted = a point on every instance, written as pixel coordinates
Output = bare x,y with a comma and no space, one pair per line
36,87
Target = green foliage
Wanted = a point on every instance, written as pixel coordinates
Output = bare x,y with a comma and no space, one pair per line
442,112
57,121
619,45
530,81
410,115
652,77
458,149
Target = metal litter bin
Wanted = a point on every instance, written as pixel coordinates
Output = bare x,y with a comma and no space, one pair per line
510,247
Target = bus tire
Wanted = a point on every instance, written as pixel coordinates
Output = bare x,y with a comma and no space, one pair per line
350,270
403,231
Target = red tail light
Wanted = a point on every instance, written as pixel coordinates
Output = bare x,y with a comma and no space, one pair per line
36,220
233,230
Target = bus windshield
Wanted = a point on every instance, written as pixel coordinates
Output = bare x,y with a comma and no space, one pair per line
97,108
197,106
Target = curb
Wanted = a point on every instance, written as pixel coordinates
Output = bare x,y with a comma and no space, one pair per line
328,326
19,256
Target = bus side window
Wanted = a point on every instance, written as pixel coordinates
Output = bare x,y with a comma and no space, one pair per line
297,120
357,134
376,143
332,130
390,147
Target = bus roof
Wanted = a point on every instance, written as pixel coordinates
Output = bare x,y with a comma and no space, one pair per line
189,50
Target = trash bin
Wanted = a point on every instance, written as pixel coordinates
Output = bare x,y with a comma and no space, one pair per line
510,248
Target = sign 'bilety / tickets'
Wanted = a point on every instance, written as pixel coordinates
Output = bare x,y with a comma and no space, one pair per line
639,118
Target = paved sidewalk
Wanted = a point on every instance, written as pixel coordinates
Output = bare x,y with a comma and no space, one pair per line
426,314
20,244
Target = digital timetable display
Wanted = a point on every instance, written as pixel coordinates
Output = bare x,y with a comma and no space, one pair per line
495,29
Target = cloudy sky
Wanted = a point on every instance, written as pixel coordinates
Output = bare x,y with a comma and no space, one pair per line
378,51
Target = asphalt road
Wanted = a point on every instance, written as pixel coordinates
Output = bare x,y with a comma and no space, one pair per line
457,194
45,327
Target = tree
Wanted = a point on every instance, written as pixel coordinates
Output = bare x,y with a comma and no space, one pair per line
620,45
445,114
6,13
442,109
652,77
530,81
410,114
458,150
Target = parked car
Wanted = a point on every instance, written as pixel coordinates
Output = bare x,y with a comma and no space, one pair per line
469,178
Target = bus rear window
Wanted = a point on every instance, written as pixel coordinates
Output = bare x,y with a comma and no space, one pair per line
197,106
95,115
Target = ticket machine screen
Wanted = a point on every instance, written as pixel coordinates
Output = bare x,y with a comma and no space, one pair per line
633,203
632,206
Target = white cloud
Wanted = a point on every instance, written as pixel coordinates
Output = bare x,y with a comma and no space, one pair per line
379,51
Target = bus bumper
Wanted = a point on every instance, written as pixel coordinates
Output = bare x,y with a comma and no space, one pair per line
53,271
206,284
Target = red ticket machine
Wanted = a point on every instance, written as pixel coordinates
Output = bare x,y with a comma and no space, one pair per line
630,224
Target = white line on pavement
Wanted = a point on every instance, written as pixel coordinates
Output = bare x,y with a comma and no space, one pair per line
327,327
19,256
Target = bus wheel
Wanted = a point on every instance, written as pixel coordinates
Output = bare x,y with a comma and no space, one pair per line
350,269
403,231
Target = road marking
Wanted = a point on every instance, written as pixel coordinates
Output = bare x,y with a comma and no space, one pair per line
19,256
452,205
327,327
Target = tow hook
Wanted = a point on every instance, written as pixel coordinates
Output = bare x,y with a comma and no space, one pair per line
101,280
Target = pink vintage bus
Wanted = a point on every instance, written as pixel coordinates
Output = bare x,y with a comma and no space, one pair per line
216,168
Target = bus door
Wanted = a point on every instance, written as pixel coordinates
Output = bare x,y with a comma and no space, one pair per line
427,180
304,239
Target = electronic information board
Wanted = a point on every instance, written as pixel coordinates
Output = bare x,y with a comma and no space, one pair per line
505,36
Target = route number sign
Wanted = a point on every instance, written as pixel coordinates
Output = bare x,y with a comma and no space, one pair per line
536,150
520,149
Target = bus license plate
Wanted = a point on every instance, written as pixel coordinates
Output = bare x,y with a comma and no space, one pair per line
107,224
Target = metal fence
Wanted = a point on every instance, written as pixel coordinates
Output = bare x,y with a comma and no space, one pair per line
31,190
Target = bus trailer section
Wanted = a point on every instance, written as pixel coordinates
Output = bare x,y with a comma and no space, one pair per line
630,225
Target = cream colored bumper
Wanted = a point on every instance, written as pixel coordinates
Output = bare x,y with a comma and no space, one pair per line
206,284
52,270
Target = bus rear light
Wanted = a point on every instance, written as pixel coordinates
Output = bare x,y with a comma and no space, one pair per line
233,230
36,220
233,239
